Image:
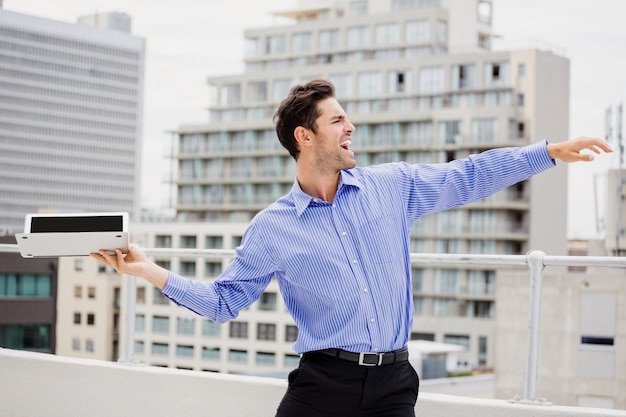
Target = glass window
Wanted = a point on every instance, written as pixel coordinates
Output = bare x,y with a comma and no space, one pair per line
214,242
185,326
281,89
188,242
301,42
450,132
291,333
162,349
140,322
387,33
238,329
266,331
252,47
460,340
230,94
328,39
480,282
210,353
267,302
212,269
91,319
238,356
357,36
184,351
211,329
417,31
25,336
343,85
442,31
160,324
369,83
446,281
266,359
463,77
399,81
431,80
275,45
257,91
292,361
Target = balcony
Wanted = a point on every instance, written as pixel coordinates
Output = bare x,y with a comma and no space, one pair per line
37,384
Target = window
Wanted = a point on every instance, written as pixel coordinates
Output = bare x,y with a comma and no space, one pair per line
238,329
91,292
343,85
78,290
257,91
139,346
140,322
267,302
25,336
212,269
291,333
387,33
482,350
265,359
442,31
463,77
184,351
292,361
76,345
301,42
521,70
450,132
188,267
163,241
275,45
266,331
160,324
417,31
158,298
211,329
461,340
77,318
210,354
417,279
446,281
520,99
496,74
26,285
485,130
399,81
357,36
431,80
369,83
281,88
238,356
91,319
90,346
185,326
230,94
328,39
79,264
188,242
140,295
162,349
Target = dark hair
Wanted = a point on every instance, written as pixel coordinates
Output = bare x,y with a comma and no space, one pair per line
300,109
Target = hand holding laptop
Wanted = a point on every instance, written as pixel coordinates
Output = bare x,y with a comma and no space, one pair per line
135,262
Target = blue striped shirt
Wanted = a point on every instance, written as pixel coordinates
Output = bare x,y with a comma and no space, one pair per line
343,268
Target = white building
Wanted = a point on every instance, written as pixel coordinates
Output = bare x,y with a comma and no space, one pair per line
71,106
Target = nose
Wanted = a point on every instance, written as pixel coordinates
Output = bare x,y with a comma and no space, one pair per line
349,127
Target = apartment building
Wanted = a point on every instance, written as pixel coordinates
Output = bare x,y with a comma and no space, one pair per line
420,82
71,100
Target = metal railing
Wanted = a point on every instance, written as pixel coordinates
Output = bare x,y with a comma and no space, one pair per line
535,260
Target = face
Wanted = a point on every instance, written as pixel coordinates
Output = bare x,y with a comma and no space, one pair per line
333,139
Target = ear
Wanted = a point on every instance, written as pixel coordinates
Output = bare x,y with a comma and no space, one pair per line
303,136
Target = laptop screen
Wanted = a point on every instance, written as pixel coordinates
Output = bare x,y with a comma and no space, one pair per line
75,224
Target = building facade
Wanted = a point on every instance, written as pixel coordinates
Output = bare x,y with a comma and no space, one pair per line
70,116
420,82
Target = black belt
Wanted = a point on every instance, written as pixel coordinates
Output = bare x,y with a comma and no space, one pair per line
368,358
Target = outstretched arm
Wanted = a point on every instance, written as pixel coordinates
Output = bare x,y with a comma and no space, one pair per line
569,151
135,262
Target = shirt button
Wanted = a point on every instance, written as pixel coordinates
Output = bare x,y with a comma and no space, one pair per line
343,233
354,261
375,349
315,200
372,320
364,289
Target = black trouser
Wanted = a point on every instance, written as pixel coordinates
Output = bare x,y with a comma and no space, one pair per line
324,386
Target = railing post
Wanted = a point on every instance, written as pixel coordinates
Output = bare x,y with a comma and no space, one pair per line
128,315
534,260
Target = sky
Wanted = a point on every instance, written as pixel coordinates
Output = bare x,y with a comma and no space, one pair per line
190,40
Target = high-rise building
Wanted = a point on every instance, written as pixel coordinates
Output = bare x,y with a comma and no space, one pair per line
421,83
71,99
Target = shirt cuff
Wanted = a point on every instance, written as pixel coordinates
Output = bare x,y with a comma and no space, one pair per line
538,156
175,287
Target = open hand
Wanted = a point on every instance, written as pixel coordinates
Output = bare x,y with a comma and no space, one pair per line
570,151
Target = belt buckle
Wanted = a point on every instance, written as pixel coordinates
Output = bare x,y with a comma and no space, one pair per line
362,357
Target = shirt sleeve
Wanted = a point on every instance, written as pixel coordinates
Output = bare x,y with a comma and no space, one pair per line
240,285
431,188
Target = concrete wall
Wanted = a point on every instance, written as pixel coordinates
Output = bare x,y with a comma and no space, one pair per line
42,385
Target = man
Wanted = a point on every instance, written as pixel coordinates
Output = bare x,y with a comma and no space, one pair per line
338,245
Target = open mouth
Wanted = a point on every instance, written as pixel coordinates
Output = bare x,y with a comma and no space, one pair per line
346,144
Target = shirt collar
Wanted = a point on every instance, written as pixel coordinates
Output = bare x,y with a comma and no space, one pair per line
302,200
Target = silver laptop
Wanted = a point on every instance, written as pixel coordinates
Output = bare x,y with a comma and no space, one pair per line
49,235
